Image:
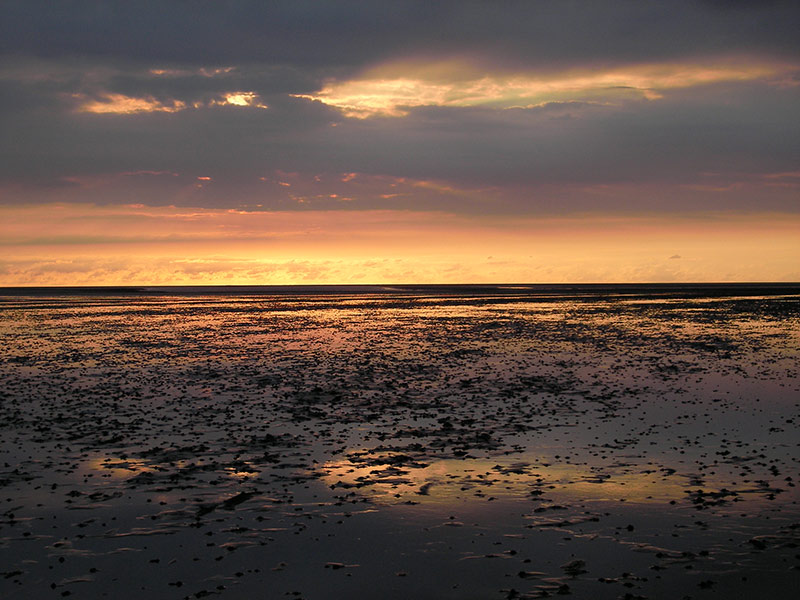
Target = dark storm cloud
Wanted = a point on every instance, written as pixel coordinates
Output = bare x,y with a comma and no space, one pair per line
43,144
348,34
56,58
675,140
669,140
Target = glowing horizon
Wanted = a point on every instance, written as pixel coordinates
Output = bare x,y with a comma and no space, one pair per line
141,246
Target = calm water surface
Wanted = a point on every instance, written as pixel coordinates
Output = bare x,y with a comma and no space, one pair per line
431,442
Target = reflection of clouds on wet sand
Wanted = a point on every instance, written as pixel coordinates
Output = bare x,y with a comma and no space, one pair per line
454,484
452,481
503,443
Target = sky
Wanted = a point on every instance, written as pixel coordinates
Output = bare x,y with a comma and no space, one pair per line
304,142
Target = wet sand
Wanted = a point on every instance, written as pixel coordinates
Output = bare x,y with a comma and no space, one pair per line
401,445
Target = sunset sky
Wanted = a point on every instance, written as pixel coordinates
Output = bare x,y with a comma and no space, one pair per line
166,142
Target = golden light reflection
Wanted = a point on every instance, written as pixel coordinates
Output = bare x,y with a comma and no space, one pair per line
451,481
391,90
118,468
239,469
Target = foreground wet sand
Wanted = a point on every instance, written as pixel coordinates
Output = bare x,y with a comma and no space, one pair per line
409,446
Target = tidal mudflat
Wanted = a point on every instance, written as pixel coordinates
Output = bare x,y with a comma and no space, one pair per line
428,444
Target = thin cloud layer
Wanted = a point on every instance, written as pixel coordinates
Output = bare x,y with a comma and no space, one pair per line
349,34
392,89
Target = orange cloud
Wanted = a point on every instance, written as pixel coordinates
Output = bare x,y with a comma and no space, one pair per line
393,88
120,104
243,99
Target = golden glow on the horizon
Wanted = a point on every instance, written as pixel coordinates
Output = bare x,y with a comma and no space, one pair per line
70,244
390,90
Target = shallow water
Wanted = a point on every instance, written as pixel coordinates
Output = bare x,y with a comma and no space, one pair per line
381,445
